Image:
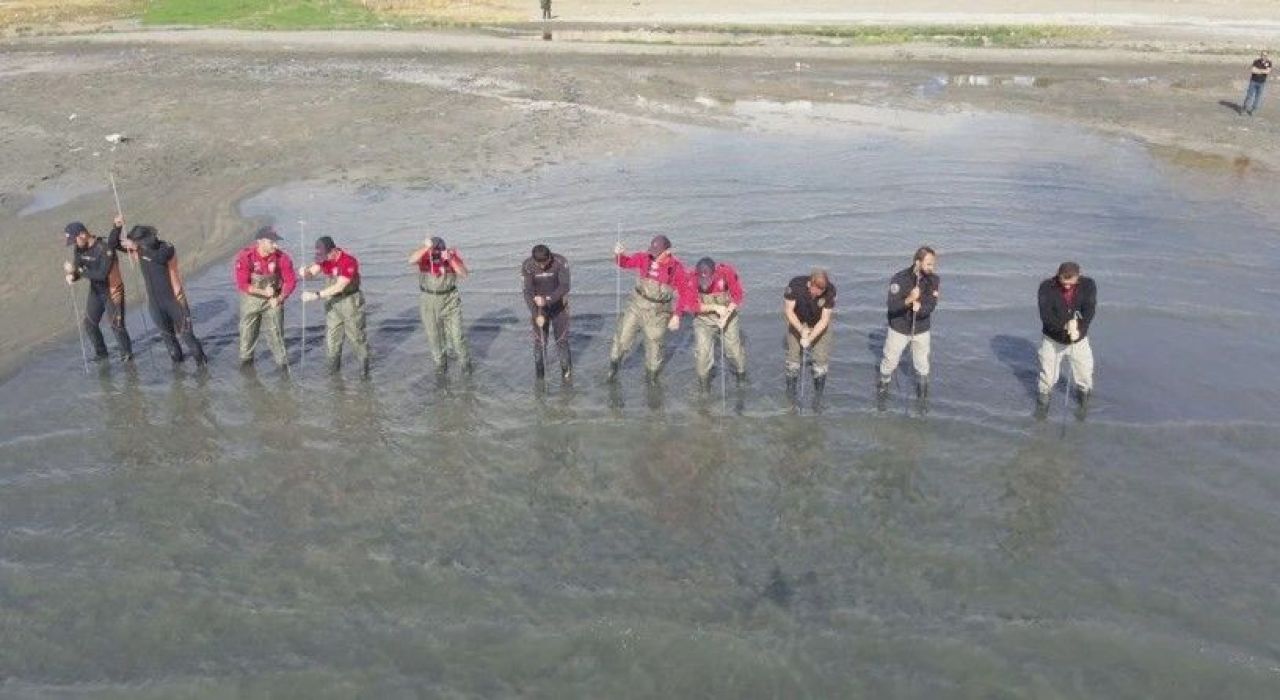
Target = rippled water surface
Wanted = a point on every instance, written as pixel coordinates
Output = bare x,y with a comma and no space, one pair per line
167,533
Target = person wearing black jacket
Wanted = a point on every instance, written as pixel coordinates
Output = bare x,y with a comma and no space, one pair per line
95,259
546,290
165,293
913,295
1067,305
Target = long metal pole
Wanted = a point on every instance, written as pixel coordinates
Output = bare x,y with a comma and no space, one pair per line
146,327
302,283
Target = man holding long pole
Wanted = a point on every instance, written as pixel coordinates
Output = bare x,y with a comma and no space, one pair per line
808,304
1067,303
98,261
343,303
265,278
546,293
913,295
659,277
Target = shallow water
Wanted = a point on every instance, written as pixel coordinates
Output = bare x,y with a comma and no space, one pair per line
170,533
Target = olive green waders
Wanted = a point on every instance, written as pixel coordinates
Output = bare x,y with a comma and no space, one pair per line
256,312
441,309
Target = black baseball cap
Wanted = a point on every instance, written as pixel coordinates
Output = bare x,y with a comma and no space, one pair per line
325,244
706,267
541,253
140,232
73,229
266,233
437,243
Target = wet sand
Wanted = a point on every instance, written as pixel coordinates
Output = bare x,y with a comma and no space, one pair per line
214,116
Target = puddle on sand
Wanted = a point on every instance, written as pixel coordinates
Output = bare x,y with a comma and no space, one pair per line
55,195
242,534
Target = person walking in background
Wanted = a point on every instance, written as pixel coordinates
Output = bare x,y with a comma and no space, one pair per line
1067,303
546,293
265,278
1258,73
166,295
344,316
97,260
546,9
439,269
913,294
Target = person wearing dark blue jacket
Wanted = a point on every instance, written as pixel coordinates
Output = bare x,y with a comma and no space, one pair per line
913,295
165,293
1067,303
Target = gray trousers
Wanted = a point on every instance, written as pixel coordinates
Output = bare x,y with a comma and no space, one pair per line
1080,355
895,343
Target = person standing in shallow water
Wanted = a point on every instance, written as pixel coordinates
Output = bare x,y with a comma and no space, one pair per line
264,277
659,276
344,316
913,295
439,269
546,293
1067,303
98,261
1258,73
808,305
712,296
546,9
166,295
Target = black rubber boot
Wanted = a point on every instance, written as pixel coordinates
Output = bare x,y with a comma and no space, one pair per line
1042,405
704,384
539,367
819,386
364,368
793,383
333,365
882,392
614,366
566,370
1082,403
922,388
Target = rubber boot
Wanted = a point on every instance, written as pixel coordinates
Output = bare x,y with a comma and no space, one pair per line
740,376
704,384
539,367
614,366
650,377
882,392
333,365
364,368
1082,403
1042,405
819,386
566,370
793,382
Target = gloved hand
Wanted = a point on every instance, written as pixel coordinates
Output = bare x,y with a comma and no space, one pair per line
724,313
310,296
618,249
68,268
1073,330
541,321
118,222
268,292
674,323
805,340
539,301
70,279
302,273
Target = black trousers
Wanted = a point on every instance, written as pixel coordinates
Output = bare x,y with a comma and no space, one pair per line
96,306
555,331
173,320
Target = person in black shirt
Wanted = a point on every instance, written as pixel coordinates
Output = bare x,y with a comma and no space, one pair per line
165,293
546,290
96,259
808,304
1258,73
1067,303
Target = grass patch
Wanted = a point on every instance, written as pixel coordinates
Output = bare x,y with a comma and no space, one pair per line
263,14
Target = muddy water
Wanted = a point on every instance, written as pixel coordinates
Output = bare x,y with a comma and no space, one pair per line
170,533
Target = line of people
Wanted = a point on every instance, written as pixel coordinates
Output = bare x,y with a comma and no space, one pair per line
665,290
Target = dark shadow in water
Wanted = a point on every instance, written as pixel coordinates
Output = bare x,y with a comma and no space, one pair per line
485,330
391,333
1019,355
584,329
1233,106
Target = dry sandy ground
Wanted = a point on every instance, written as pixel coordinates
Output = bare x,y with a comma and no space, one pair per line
214,116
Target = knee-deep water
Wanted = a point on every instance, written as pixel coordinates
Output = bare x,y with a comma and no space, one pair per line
170,533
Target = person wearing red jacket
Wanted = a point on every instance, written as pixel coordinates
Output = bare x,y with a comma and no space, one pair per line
712,295
344,316
265,278
659,277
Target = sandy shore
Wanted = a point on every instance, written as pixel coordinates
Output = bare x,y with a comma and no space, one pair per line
212,116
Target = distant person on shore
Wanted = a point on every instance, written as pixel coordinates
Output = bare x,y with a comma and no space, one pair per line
546,9
96,259
439,269
343,303
1067,304
913,294
546,293
1258,73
